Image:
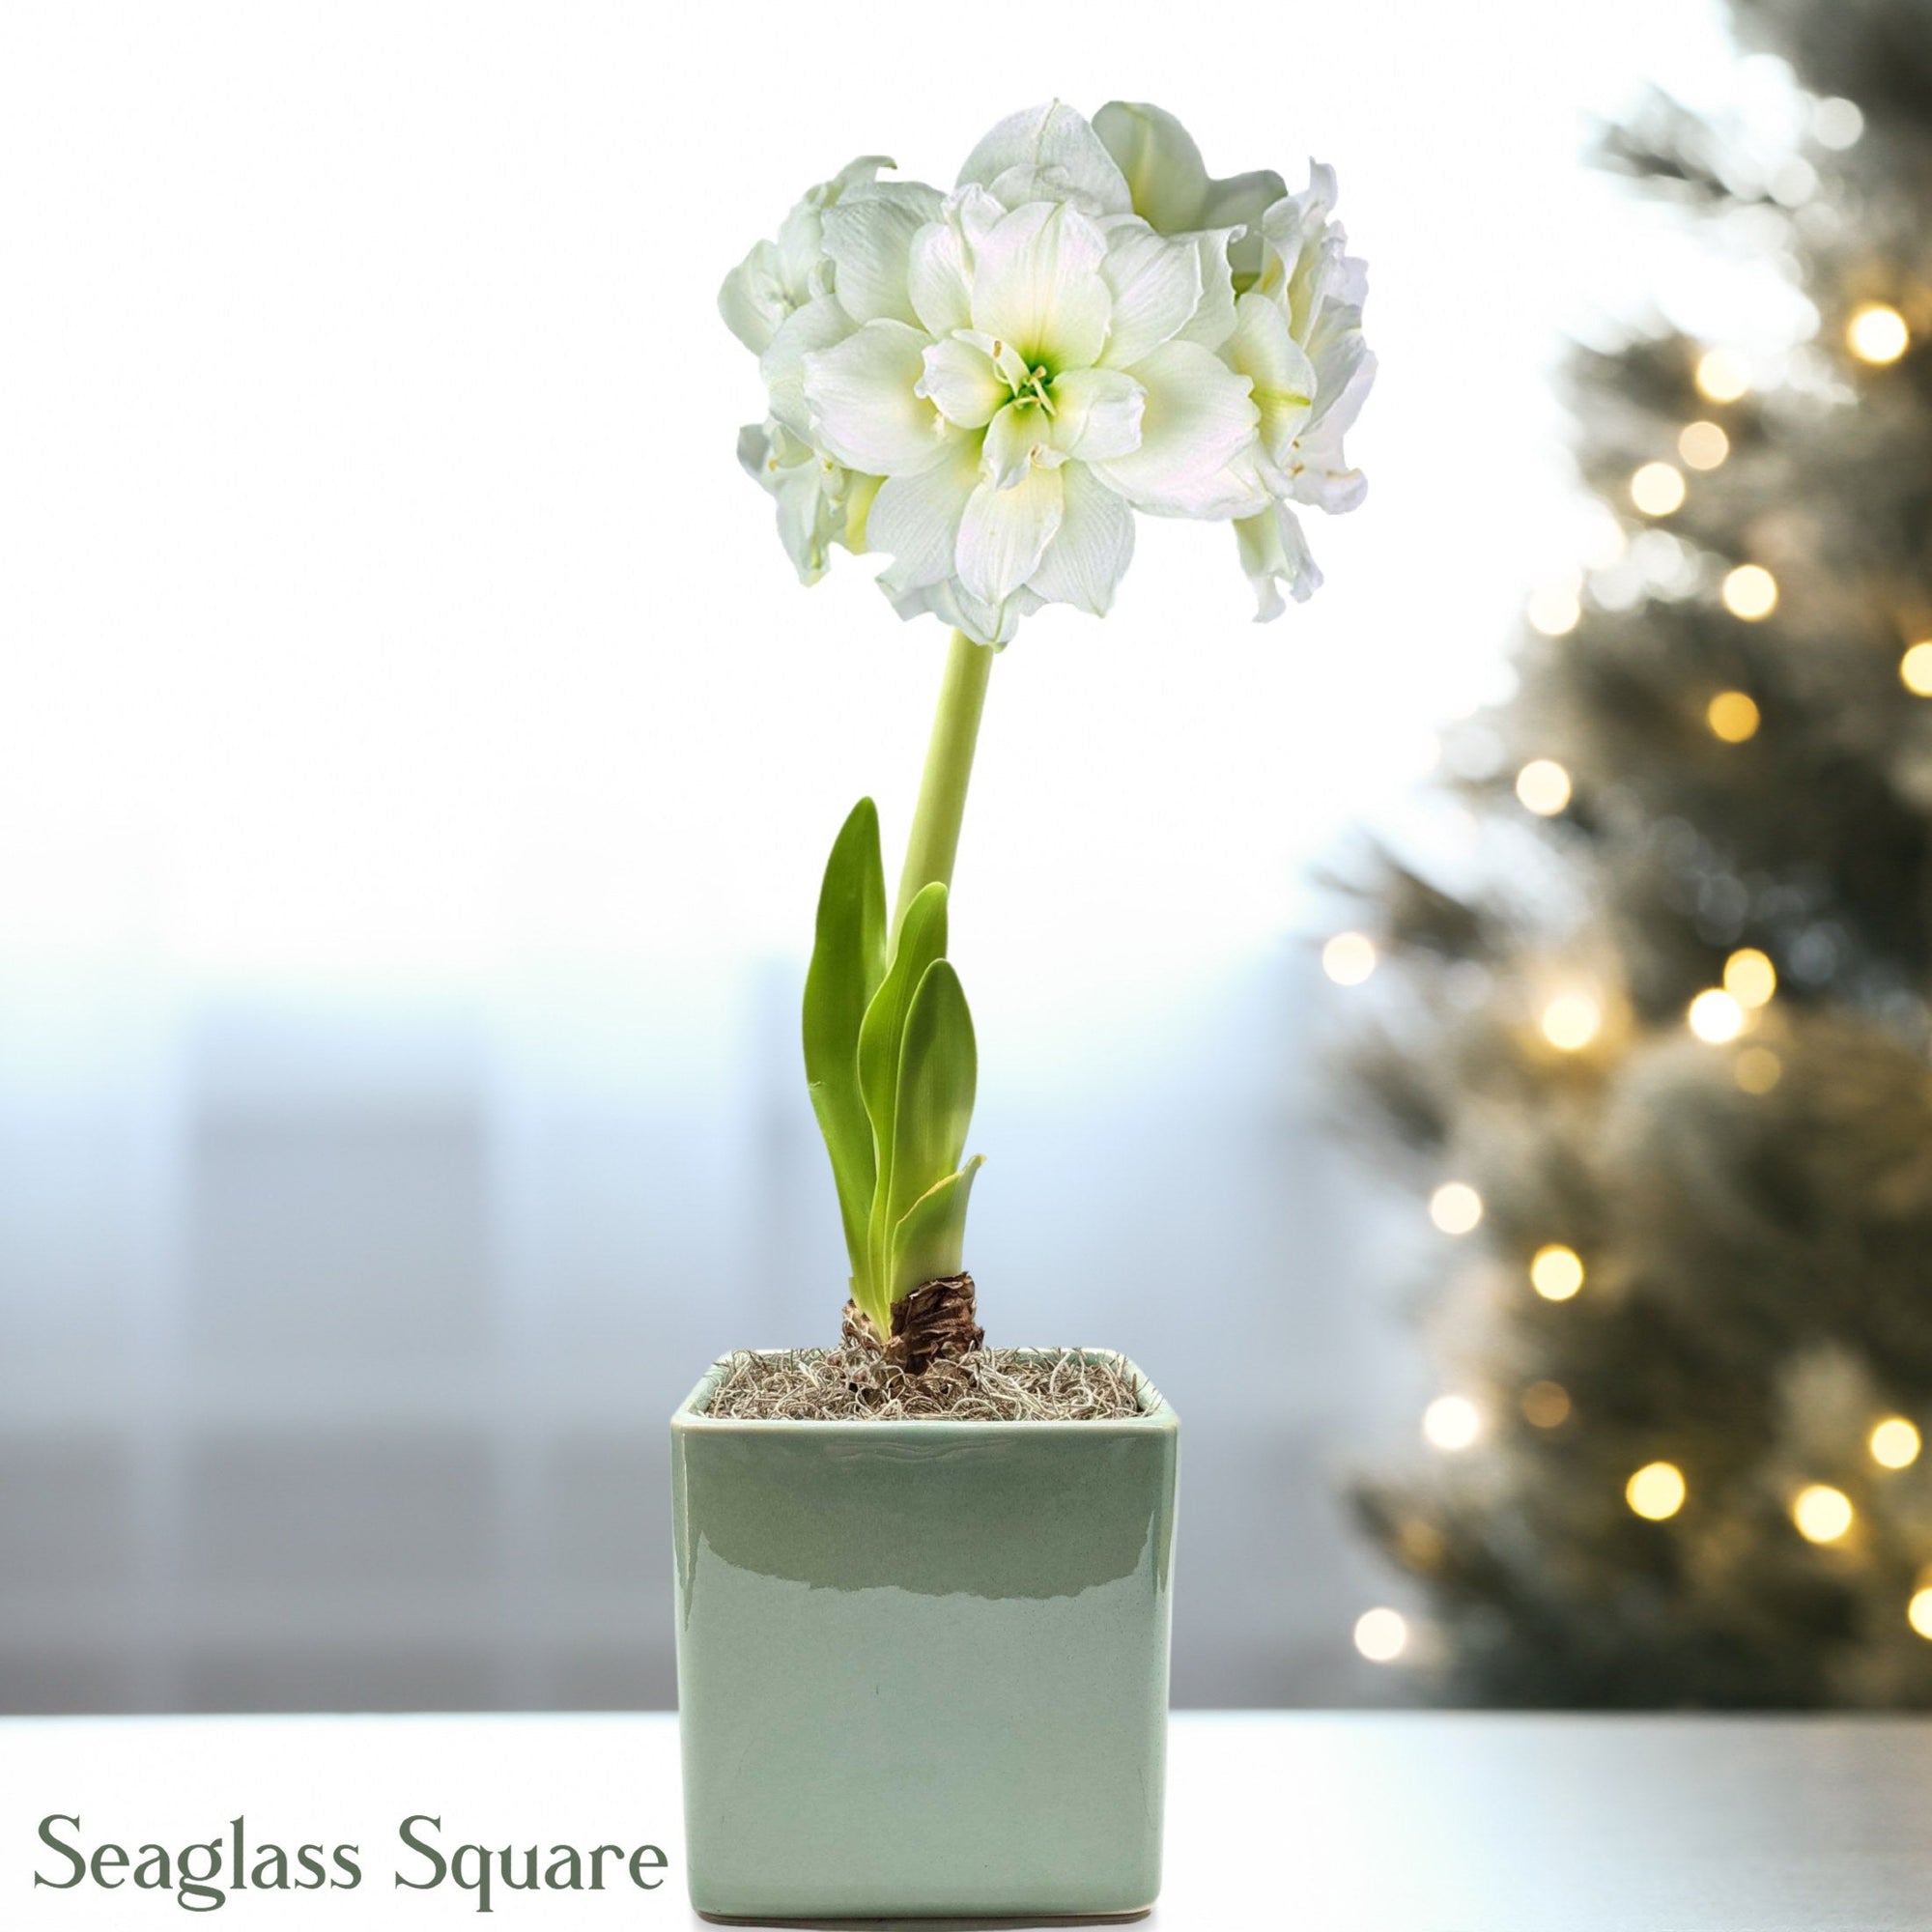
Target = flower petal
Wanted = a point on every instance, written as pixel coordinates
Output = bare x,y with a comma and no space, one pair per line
810,515
1155,284
799,253
1321,475
1272,552
1262,350
1170,188
951,603
1037,284
1050,149
1214,321
916,519
1004,533
753,301
819,324
861,173
865,401
1096,414
939,269
1017,438
1161,165
1089,553
1306,253
758,453
937,282
962,385
868,236
1239,203
809,490
1241,200
1344,369
1198,423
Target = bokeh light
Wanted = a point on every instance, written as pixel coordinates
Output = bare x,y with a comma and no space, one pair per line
1793,182
1894,1443
1733,716
1750,592
1821,1513
1656,1492
1716,1017
1877,334
1456,1207
1553,610
1556,1272
1381,1634
1543,785
1349,958
1837,122
1572,1021
1451,1422
1915,668
1703,445
1658,489
1750,977
1757,1070
1545,1405
1722,375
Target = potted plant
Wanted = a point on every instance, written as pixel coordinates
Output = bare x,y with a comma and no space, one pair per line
922,1586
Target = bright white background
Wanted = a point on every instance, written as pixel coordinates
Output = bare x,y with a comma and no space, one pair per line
409,728
390,601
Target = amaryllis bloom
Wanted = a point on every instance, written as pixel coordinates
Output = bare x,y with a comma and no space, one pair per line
814,494
1299,296
985,386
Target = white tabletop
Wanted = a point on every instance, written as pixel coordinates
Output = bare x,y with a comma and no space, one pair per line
1335,1823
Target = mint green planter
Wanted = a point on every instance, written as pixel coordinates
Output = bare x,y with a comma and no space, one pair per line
922,1666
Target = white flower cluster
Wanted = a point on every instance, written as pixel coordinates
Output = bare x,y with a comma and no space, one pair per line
985,386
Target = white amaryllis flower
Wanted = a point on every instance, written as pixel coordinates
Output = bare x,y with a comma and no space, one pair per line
816,500
985,386
1297,335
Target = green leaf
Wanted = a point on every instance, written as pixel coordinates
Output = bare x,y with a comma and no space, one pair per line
930,1239
848,962
938,1070
921,942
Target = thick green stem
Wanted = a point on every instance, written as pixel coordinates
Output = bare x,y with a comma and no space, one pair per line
934,841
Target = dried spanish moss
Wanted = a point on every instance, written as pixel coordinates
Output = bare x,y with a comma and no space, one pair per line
856,1382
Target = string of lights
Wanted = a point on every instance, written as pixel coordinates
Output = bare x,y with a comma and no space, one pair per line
1672,1457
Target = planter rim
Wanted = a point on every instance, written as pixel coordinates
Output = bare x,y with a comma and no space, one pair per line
1155,1413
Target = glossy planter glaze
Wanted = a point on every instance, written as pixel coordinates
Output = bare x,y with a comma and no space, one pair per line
922,1666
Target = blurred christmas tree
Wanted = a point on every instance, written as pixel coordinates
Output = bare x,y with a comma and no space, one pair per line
1665,1067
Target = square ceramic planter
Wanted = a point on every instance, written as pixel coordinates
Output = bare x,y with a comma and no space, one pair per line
922,1666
